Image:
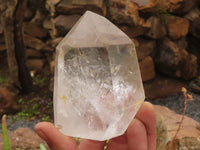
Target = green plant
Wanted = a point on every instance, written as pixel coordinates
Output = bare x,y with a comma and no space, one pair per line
160,10
198,82
20,101
31,112
105,147
41,79
1,80
4,77
78,140
30,101
26,113
45,118
42,147
6,141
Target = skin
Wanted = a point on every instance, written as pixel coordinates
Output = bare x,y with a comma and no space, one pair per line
140,135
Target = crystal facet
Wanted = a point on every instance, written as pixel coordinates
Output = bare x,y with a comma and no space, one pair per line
98,87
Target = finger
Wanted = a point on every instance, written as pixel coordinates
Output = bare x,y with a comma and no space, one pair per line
137,136
90,144
118,143
147,116
54,138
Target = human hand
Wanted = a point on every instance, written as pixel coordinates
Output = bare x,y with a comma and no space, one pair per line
140,135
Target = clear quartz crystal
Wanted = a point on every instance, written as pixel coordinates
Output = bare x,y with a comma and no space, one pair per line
98,87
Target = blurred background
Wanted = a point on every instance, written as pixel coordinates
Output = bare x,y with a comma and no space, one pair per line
166,34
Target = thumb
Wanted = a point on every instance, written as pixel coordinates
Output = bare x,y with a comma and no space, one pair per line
54,138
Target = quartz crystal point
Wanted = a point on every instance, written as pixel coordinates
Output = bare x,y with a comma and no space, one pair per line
98,87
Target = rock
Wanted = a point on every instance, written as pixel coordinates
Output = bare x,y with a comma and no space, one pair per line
24,139
1,29
31,53
35,43
39,16
2,39
177,27
194,47
188,143
141,2
162,87
145,48
151,7
55,2
40,9
175,61
67,7
147,69
162,134
134,31
173,6
158,29
194,17
34,30
193,14
64,23
48,21
48,24
195,28
7,102
188,136
52,66
36,5
181,6
51,84
124,12
35,64
181,43
195,85
92,3
160,7
28,14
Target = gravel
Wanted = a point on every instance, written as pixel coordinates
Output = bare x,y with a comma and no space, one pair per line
13,125
176,103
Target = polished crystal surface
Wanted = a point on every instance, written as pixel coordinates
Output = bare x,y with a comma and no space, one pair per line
98,87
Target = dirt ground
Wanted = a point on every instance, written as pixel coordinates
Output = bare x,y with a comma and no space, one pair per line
37,104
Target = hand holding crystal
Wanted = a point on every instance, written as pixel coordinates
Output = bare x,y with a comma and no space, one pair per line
140,135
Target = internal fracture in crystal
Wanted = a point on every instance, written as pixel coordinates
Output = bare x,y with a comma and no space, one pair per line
98,87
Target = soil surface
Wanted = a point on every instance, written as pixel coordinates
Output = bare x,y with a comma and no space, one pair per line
33,107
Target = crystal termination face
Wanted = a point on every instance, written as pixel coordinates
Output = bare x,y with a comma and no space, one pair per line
98,87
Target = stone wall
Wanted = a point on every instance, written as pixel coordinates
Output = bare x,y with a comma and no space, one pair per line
160,31
166,33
